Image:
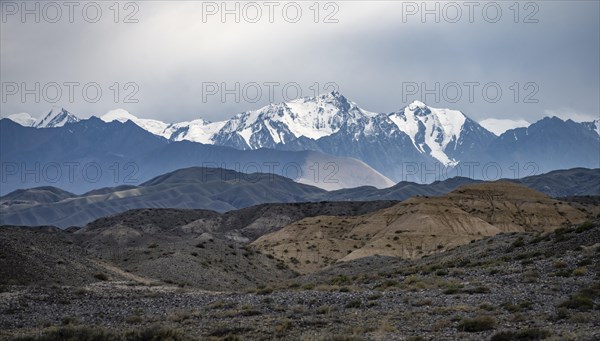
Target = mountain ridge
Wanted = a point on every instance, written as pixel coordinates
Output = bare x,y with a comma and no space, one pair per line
225,190
393,144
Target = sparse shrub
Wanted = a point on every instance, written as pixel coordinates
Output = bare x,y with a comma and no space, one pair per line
579,301
374,297
416,338
225,332
463,263
563,273
340,280
562,313
581,318
538,239
441,272
386,327
411,279
81,292
584,262
283,326
250,312
452,289
514,308
526,305
219,305
524,335
580,271
531,276
388,284
494,271
481,289
477,324
134,319
354,304
560,264
420,303
562,230
486,306
67,320
519,242
101,277
264,291
588,225
324,309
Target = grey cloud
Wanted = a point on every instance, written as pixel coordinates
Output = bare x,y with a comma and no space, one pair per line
369,54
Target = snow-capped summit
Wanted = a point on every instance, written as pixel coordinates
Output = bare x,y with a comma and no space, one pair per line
431,130
120,115
307,117
416,104
199,130
154,126
23,119
57,117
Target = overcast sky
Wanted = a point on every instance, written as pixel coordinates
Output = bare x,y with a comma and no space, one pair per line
379,54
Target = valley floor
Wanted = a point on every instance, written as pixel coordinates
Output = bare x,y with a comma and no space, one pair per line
507,287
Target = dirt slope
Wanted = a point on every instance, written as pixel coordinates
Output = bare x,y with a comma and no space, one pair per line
419,226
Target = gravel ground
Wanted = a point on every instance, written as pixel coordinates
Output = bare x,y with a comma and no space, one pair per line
508,283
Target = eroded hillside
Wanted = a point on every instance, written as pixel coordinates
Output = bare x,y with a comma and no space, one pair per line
418,226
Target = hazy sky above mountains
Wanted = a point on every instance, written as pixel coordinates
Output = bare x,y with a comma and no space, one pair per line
376,53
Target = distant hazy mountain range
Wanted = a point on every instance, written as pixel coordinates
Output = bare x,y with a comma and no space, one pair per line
224,190
349,146
90,154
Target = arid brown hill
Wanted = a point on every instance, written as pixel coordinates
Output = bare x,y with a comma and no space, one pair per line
419,226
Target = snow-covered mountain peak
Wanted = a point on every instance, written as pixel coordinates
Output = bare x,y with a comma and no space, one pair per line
23,119
120,115
416,105
198,130
155,127
309,117
57,117
431,130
